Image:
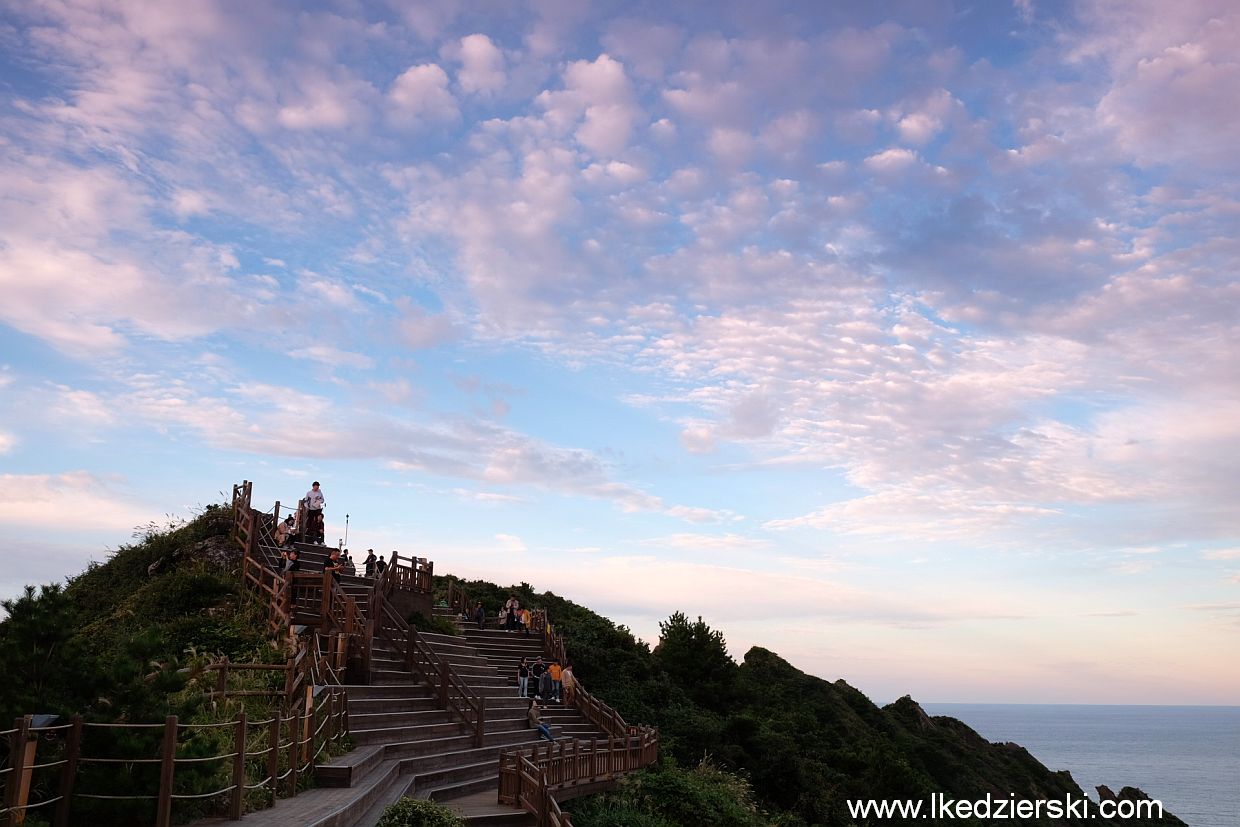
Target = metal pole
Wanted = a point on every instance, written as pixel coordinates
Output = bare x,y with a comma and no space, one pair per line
346,529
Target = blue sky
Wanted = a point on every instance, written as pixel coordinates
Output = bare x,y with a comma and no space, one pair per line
898,338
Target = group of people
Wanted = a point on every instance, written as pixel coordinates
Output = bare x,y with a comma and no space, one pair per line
340,562
514,618
546,682
288,530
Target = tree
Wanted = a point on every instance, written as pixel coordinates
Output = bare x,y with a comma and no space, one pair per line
44,662
696,658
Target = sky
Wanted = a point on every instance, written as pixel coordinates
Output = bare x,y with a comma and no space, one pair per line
902,339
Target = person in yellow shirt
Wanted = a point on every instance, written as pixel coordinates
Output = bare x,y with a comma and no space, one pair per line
557,687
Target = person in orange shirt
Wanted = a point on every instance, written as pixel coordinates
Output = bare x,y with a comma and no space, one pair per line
557,687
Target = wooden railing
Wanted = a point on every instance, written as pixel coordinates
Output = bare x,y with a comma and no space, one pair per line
316,599
458,599
267,755
528,778
453,693
595,711
308,666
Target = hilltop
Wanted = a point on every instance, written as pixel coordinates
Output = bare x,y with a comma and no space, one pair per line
748,743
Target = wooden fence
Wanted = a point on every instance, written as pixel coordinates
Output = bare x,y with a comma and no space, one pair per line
267,755
529,778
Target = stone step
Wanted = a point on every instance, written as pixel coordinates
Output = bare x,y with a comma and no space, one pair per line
448,791
349,769
371,691
379,720
389,734
487,768
482,810
364,706
392,676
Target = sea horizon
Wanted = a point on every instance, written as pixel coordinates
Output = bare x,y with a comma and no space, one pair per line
1184,755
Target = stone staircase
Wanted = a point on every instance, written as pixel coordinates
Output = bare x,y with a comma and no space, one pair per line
407,745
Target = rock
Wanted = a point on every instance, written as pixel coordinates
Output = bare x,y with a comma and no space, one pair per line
217,551
155,568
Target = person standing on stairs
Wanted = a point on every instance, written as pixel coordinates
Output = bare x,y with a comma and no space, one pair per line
334,565
523,678
536,672
510,613
480,615
369,562
380,565
535,720
315,503
556,675
546,687
569,682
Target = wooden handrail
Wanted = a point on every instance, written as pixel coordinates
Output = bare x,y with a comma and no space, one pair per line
453,692
529,777
594,710
309,730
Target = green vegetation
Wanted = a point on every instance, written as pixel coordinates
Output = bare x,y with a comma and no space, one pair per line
669,795
436,625
127,641
786,747
417,812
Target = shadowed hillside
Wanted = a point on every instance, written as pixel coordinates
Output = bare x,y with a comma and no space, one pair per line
796,746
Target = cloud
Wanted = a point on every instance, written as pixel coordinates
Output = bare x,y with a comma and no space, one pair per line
421,93
333,357
482,65
419,328
599,100
76,291
1166,71
48,501
711,543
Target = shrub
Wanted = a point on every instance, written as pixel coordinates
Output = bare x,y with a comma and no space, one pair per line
438,624
419,812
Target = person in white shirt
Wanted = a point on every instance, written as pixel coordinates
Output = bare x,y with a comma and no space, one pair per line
314,508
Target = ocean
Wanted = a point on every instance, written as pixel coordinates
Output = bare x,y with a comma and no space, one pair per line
1186,756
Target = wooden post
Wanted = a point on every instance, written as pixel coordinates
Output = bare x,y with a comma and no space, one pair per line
482,717
167,768
443,684
17,761
308,725
273,756
294,753
68,773
288,676
221,679
238,774
325,602
542,799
